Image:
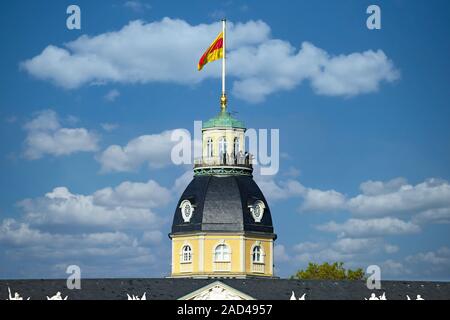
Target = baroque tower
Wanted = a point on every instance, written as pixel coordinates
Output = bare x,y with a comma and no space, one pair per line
222,225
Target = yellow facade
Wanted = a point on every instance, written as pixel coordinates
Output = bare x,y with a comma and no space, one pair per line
204,262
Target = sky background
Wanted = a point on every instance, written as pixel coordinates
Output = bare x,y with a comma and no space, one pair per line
86,116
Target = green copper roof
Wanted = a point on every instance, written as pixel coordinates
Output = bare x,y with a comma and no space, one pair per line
223,119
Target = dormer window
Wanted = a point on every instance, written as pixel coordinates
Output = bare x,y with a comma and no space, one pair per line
187,210
257,210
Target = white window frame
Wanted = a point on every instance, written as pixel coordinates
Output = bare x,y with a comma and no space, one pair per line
209,148
260,254
223,146
220,256
236,145
186,250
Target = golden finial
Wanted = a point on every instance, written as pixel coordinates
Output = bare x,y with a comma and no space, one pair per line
223,102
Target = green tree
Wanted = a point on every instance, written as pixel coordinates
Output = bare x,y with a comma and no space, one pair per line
326,271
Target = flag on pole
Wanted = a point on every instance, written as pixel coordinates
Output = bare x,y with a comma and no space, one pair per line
214,52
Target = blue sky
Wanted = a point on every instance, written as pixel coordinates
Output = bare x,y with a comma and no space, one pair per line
363,118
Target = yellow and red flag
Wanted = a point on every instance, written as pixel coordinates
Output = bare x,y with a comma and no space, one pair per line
214,52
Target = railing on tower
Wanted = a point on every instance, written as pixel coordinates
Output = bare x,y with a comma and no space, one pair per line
238,160
258,267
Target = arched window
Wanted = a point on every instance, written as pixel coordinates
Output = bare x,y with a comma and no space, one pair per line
209,148
223,146
257,255
236,147
222,253
186,254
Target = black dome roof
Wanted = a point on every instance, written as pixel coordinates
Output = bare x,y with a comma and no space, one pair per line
222,205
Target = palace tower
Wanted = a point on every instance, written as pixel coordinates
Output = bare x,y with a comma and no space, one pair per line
222,225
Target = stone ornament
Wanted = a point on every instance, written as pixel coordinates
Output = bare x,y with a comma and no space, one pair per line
16,296
187,210
57,296
257,210
303,297
218,293
133,297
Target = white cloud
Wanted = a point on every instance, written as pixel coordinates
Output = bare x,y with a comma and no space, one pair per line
351,245
152,237
375,188
44,254
282,190
112,95
150,52
314,200
280,253
440,216
155,150
308,246
326,255
137,6
44,120
61,207
133,195
428,201
389,248
109,126
401,199
438,257
114,226
182,182
16,233
292,172
46,136
354,252
21,234
318,200
370,227
425,202
432,264
348,75
384,208
394,268
319,252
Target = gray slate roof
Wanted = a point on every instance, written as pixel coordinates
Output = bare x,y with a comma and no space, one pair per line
261,289
222,204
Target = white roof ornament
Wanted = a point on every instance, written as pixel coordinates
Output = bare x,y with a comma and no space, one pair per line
16,296
57,296
373,296
133,297
303,297
418,297
257,210
187,210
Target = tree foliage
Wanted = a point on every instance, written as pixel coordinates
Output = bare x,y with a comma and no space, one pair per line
326,271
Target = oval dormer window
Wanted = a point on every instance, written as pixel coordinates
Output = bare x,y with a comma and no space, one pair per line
187,209
257,210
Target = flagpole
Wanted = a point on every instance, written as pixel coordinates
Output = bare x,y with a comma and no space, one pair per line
223,98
